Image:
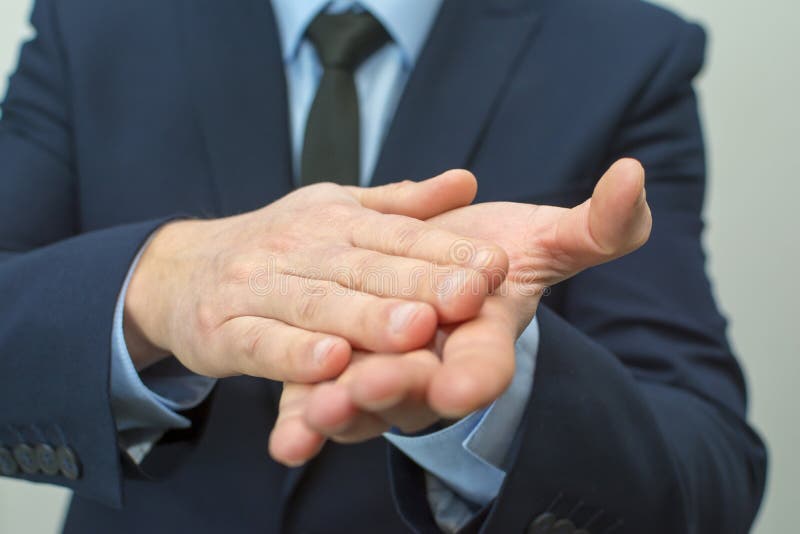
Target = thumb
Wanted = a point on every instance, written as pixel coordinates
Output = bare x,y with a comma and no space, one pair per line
420,200
614,222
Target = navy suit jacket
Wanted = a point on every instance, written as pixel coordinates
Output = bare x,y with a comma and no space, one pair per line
124,114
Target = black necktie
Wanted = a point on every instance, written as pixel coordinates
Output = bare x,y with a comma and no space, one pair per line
331,144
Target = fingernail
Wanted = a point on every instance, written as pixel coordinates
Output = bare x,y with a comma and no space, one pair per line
322,349
402,316
483,259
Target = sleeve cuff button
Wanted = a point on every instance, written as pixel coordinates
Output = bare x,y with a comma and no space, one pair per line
26,458
68,463
48,462
8,465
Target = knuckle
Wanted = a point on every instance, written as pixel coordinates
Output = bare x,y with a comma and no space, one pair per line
407,236
309,305
361,266
236,270
252,343
206,316
282,243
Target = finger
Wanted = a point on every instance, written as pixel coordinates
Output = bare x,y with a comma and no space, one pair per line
267,348
614,222
378,382
456,293
366,321
292,442
394,387
477,362
331,412
420,200
398,235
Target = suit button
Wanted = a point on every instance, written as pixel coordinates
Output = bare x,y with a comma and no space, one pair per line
68,463
26,458
562,526
8,465
542,524
48,462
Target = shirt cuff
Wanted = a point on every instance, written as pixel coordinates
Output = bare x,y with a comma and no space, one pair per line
468,456
146,403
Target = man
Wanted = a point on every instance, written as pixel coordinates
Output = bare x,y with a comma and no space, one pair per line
388,339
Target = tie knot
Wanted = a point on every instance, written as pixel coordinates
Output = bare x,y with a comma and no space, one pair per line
344,40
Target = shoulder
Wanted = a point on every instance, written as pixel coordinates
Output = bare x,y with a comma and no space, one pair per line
622,36
634,16
95,20
623,27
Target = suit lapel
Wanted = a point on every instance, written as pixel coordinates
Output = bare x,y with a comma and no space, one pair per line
237,84
459,76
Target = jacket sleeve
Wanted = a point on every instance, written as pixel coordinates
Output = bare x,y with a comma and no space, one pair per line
58,286
637,422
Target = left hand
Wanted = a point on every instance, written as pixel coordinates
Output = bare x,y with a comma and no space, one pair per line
470,364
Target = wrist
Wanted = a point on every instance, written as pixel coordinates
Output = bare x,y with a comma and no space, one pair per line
146,312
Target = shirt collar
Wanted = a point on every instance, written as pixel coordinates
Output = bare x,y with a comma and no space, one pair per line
407,21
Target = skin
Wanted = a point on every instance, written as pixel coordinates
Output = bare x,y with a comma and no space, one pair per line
285,292
469,364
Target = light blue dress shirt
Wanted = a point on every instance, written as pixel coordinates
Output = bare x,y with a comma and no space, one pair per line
465,461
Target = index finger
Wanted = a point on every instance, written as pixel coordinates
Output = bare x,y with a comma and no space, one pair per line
420,200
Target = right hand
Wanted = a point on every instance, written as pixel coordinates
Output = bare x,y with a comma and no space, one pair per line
285,292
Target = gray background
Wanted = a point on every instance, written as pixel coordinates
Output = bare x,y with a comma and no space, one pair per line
749,94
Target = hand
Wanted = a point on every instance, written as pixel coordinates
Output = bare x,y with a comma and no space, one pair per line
472,363
283,292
